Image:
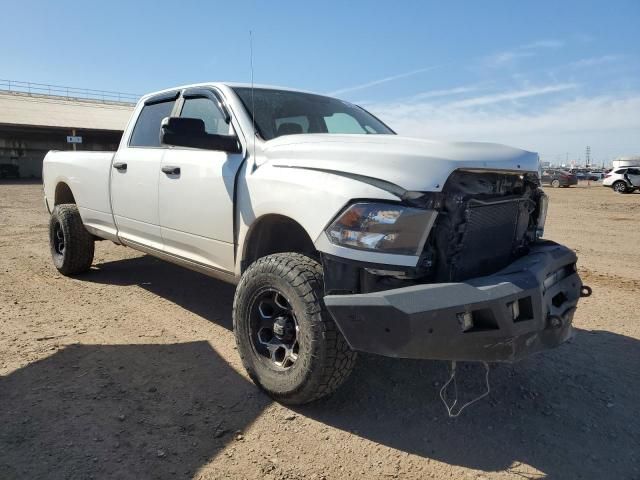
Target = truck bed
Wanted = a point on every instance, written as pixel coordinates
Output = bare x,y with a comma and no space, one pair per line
87,176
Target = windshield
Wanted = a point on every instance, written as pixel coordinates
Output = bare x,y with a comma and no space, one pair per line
282,112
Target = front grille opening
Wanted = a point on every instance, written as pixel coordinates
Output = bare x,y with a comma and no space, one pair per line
485,221
488,240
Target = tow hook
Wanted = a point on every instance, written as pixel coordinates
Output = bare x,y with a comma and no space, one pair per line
556,321
585,291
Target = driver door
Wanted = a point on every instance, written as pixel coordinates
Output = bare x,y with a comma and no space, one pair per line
196,190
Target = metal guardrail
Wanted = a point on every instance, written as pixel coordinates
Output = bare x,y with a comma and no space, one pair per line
70,93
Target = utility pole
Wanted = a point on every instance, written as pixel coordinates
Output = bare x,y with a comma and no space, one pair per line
587,156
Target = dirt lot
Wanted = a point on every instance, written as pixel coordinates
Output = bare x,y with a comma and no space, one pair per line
131,372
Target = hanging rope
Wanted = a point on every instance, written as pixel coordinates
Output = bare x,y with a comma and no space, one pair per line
452,378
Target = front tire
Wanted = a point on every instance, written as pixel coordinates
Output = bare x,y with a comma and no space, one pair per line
288,342
555,183
72,246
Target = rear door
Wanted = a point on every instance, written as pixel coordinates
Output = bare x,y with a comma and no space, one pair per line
135,172
634,176
196,190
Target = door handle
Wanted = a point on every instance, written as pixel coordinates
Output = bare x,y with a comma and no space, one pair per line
120,166
171,170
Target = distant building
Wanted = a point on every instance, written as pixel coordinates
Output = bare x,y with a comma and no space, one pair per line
631,161
36,118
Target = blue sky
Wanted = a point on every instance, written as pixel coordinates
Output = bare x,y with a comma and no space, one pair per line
549,76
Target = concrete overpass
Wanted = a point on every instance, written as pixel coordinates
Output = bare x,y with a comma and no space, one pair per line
36,118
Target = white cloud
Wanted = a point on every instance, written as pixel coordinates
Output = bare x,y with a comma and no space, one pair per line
503,58
594,61
511,95
447,92
608,124
381,81
528,50
419,102
543,44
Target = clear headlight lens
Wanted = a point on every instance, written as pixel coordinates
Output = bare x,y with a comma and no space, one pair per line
382,227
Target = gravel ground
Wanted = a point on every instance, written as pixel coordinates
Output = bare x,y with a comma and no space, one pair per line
130,371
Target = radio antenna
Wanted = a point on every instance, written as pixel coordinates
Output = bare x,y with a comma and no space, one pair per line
253,104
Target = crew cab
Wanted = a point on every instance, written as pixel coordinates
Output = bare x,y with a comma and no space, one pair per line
342,237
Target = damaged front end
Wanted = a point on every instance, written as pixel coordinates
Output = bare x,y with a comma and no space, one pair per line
485,286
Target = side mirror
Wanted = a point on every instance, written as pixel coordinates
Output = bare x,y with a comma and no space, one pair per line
190,132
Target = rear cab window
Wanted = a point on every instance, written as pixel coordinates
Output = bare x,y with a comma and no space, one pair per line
291,125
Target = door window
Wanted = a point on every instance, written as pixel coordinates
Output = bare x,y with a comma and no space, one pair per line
209,112
146,133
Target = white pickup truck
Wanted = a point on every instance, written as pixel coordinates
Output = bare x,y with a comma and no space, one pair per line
341,235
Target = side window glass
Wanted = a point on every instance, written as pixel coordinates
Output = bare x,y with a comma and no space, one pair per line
146,133
209,112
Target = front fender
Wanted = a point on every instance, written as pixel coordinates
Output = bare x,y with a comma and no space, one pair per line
311,198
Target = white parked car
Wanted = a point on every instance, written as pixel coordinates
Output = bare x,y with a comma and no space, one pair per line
341,235
623,180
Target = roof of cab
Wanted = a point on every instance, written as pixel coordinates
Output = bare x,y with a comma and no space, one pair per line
227,84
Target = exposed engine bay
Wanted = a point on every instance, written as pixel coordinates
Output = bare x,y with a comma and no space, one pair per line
485,221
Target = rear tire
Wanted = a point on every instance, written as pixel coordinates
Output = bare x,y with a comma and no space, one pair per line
72,246
620,187
555,183
288,342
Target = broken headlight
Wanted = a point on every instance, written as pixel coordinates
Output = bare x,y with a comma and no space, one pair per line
543,203
382,227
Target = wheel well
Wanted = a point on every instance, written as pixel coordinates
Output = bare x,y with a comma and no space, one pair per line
63,194
276,234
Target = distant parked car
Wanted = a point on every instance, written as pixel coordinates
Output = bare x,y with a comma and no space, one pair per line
9,170
558,178
623,180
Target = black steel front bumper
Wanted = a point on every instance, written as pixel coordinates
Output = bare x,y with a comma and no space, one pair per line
429,321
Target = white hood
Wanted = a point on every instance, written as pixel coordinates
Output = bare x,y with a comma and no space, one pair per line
411,163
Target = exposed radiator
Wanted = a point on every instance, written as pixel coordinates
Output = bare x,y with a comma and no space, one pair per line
487,239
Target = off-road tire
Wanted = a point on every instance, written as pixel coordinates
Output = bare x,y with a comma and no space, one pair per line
555,183
620,187
77,255
324,358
